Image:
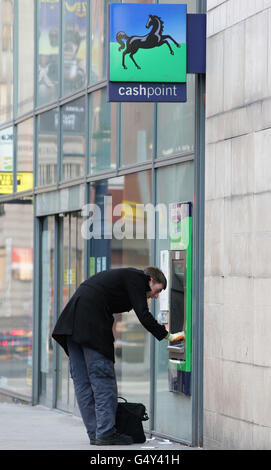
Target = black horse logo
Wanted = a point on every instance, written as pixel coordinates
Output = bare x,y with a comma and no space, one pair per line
153,39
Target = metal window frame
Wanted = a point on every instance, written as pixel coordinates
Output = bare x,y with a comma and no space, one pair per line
198,264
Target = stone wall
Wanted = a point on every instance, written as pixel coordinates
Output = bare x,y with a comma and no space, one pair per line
237,312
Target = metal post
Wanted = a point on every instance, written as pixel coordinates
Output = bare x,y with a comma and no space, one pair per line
36,308
57,260
198,274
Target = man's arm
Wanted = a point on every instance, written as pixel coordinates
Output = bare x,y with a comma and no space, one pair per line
137,294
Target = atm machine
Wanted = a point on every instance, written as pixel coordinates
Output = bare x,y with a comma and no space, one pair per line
177,266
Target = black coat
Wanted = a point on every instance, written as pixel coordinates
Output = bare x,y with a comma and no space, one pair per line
88,316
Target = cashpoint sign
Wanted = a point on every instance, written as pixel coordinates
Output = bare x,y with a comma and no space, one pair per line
151,48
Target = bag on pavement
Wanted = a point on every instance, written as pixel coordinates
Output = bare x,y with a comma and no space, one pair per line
129,419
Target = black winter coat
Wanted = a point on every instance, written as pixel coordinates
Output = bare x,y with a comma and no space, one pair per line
88,316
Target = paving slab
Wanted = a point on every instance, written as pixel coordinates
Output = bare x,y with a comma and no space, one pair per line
26,427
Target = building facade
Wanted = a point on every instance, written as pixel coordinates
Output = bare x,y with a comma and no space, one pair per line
237,226
64,148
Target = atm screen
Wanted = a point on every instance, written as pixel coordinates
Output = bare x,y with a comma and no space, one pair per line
177,309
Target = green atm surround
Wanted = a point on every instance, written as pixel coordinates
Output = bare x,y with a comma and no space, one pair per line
180,296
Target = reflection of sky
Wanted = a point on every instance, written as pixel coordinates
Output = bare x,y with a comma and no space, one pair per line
132,19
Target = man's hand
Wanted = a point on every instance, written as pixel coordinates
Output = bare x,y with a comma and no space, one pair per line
175,336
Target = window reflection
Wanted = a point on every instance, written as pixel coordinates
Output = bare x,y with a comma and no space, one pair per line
25,155
73,140
103,121
136,132
71,276
139,1
175,183
132,341
25,56
74,45
6,161
48,51
191,4
98,35
47,147
47,309
16,296
6,70
176,124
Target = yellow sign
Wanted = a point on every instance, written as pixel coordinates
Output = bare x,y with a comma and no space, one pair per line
24,181
79,8
69,277
6,182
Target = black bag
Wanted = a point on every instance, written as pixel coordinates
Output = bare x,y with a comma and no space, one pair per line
129,419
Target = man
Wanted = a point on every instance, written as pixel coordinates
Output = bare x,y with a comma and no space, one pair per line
84,330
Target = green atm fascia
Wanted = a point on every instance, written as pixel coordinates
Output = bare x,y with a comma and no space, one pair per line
180,296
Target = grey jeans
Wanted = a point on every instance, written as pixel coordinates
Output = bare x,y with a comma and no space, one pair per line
95,388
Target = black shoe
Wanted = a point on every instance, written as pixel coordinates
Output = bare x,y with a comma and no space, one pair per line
92,441
115,439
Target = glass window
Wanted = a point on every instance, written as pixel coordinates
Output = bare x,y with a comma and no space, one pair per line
47,310
136,133
25,56
16,296
74,45
103,121
98,35
6,69
48,51
139,1
47,147
73,139
191,4
174,184
71,276
125,244
25,155
176,124
6,161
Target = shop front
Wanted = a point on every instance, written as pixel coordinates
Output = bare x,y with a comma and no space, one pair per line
88,185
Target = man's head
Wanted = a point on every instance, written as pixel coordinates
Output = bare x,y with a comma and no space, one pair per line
157,281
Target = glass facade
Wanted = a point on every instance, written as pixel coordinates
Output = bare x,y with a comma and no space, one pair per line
102,132
6,160
47,136
74,44
6,69
136,133
25,155
47,309
176,125
98,35
16,296
48,32
174,183
25,51
73,117
64,147
70,277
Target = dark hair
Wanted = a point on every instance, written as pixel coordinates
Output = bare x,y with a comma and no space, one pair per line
157,275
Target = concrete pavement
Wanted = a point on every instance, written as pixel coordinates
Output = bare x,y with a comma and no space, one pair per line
26,427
